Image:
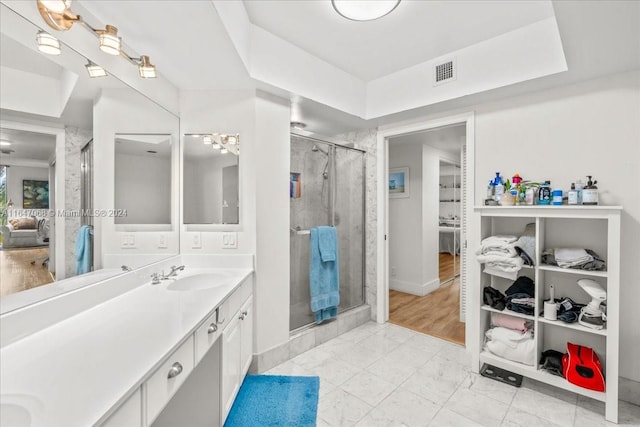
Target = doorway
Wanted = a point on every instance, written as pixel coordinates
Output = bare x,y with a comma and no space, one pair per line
424,232
448,289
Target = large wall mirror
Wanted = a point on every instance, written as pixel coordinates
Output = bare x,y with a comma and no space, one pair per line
59,174
211,180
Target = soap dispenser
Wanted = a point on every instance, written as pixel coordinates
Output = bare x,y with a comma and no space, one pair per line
590,192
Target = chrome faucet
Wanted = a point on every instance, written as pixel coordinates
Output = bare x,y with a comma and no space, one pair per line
173,272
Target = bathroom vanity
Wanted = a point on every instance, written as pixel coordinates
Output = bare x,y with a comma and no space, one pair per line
127,361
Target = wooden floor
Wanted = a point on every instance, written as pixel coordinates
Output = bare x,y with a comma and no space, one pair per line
436,314
16,272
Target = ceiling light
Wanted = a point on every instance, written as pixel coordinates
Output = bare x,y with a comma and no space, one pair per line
109,40
364,10
95,70
207,139
57,6
224,151
47,43
146,69
5,143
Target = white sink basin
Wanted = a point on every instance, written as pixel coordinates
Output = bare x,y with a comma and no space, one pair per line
199,282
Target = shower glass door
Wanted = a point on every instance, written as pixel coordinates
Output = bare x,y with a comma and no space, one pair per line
327,188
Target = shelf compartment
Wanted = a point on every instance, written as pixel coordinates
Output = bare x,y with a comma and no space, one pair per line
555,269
574,326
507,312
539,375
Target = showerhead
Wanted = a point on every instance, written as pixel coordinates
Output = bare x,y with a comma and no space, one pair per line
316,148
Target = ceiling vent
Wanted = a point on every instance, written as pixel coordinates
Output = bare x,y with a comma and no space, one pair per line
445,72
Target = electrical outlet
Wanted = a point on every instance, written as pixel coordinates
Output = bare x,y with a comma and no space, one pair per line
196,240
230,240
127,241
163,241
393,272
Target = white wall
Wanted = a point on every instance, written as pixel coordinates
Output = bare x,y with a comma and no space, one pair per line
15,175
562,135
405,222
141,184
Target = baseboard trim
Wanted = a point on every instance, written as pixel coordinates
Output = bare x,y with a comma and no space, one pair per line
415,288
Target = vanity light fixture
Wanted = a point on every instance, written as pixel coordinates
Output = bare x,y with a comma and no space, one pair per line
298,125
232,139
216,146
95,70
146,69
58,15
364,10
207,139
223,150
47,43
109,41
5,143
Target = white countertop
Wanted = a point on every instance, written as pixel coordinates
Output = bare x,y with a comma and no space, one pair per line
73,372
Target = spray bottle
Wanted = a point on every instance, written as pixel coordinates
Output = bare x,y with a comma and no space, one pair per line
498,187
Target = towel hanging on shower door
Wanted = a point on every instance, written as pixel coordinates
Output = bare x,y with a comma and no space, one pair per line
324,280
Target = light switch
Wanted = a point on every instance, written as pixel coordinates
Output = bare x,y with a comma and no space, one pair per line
163,241
127,241
196,240
230,240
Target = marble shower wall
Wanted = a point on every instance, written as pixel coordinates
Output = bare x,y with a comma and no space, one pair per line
366,139
75,139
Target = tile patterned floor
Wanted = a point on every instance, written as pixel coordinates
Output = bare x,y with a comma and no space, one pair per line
386,375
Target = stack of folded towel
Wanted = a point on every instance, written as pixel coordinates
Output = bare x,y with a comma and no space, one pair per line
584,259
499,256
511,344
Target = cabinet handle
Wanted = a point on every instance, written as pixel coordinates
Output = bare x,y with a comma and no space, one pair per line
212,328
220,322
244,313
175,370
242,316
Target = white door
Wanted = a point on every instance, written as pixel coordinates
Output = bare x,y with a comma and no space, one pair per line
246,352
230,373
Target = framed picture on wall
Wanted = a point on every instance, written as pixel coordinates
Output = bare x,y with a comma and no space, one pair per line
35,194
399,182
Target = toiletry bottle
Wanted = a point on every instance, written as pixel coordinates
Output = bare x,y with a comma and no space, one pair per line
544,194
572,195
498,187
579,188
490,190
529,195
556,197
590,193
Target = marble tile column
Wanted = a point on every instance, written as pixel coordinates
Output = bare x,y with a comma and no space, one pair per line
75,139
366,139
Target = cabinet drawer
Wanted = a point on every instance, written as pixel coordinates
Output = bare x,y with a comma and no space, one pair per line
206,335
167,379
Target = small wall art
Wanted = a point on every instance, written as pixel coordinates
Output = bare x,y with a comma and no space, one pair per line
35,194
399,182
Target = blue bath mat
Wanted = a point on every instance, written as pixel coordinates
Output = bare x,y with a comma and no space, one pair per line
274,400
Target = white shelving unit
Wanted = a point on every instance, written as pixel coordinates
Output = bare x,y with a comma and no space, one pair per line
593,227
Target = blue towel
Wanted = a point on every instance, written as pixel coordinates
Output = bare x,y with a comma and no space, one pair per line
324,279
83,250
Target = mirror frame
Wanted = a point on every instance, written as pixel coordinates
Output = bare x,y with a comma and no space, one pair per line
209,227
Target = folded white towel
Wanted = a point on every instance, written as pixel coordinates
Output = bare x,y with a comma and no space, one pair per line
499,239
571,255
508,264
511,344
511,275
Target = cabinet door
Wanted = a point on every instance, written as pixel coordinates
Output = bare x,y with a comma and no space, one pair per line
129,414
246,353
231,345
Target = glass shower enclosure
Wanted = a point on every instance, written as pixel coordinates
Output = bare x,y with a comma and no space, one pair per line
327,188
